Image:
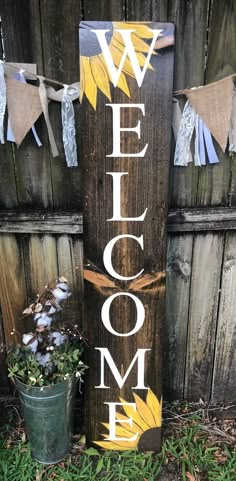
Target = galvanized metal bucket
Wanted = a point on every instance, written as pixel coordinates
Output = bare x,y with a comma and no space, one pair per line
48,418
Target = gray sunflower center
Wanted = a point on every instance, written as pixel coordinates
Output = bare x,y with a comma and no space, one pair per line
89,45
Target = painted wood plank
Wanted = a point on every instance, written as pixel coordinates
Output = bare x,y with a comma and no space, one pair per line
204,298
60,23
12,284
224,374
22,43
178,278
136,195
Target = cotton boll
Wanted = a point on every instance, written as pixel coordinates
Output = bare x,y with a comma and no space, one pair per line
26,338
52,309
58,338
63,285
59,294
43,359
43,319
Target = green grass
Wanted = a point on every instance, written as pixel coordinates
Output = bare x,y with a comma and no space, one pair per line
187,450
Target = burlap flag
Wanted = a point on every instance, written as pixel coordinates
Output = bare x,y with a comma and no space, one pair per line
213,103
24,107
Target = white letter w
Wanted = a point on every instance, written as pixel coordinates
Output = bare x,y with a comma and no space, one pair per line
128,51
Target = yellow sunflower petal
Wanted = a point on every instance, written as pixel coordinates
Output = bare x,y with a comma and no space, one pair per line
117,56
134,428
127,444
110,445
100,75
131,413
144,411
118,49
142,30
122,83
122,431
81,78
90,87
138,43
155,407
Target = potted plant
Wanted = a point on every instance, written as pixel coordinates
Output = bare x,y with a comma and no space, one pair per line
45,366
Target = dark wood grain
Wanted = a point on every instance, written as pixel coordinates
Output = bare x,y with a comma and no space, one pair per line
145,186
105,10
136,10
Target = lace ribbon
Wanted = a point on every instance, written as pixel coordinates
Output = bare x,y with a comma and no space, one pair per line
68,128
182,150
2,101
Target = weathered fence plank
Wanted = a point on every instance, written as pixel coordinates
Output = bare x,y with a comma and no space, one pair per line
178,277
67,268
221,61
31,222
4,385
8,193
191,18
40,261
204,297
106,10
60,34
214,183
224,375
12,284
22,43
201,219
139,10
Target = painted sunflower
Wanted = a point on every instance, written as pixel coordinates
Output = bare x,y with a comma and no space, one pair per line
146,424
94,73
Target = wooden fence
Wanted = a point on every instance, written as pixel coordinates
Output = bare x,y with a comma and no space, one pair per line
40,198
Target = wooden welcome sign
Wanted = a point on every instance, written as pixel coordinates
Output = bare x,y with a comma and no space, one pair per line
126,95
